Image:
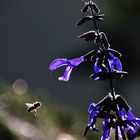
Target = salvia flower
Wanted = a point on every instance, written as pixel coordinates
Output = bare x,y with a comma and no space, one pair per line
106,66
113,109
132,131
106,132
70,64
114,63
93,110
106,109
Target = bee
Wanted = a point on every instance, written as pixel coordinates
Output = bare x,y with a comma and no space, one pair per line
33,107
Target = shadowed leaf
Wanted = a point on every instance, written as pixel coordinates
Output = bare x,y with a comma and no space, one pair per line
91,5
90,54
99,17
116,53
104,40
122,103
89,36
95,8
83,20
85,8
107,75
105,115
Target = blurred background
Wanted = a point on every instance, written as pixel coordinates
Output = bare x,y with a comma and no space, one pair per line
35,32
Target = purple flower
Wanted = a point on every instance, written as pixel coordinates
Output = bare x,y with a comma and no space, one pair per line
132,118
129,116
114,63
101,67
132,131
70,64
92,110
106,132
96,68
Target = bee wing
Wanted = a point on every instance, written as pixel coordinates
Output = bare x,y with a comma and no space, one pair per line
34,112
28,104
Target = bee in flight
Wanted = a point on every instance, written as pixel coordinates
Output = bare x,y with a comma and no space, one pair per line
33,107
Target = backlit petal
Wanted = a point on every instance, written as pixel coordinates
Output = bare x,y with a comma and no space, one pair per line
66,75
58,63
76,61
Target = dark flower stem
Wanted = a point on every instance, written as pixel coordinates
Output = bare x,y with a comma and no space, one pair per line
95,24
110,80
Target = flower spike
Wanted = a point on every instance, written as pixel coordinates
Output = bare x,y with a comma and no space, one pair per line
113,108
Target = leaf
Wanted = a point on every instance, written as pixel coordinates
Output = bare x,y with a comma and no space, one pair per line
105,115
106,75
85,8
98,39
107,99
91,5
122,103
99,76
89,36
109,125
99,17
95,8
83,20
90,54
118,74
116,53
99,54
104,40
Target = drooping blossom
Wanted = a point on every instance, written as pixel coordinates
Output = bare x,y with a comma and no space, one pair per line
70,64
114,63
106,132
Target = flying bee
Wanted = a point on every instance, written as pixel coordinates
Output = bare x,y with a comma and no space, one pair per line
33,107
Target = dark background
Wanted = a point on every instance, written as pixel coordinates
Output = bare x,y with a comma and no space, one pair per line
35,32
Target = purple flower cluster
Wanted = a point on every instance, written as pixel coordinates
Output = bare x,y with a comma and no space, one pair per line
106,109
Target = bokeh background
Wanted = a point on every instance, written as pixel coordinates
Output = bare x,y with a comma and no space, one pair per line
35,32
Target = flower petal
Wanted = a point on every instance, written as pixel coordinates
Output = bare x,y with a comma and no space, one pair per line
115,63
93,109
111,62
119,132
76,61
91,117
58,63
118,64
106,131
66,75
96,68
130,116
122,112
